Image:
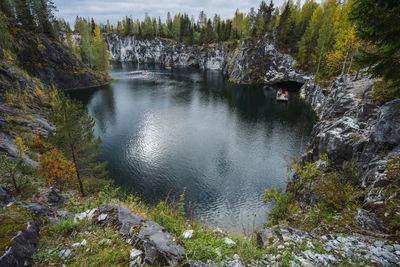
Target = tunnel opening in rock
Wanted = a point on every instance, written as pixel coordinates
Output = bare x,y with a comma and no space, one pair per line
290,85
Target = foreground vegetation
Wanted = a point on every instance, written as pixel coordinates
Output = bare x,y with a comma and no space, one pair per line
336,194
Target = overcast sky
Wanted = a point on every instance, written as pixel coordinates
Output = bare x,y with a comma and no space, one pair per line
114,10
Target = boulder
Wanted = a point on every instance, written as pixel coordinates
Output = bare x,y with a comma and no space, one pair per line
387,128
39,210
284,234
158,245
55,197
5,198
370,221
21,253
65,215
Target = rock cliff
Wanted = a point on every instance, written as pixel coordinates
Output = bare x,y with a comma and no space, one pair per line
250,61
353,128
49,60
166,52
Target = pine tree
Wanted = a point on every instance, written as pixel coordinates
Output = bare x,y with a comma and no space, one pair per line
84,29
6,8
304,15
169,25
286,28
75,137
238,24
307,58
43,10
176,27
119,28
23,13
264,18
330,16
10,172
377,23
101,54
339,58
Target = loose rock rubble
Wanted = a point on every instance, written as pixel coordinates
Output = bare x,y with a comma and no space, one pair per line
328,250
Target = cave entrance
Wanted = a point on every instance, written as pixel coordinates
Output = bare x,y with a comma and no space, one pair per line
289,85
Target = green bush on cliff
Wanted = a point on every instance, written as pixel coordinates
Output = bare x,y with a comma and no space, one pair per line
284,205
334,189
391,192
383,92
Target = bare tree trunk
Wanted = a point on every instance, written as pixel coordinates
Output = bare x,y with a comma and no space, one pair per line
358,71
344,62
351,63
74,159
320,57
78,175
14,181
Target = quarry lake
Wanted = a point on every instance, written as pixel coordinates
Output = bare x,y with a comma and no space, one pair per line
184,128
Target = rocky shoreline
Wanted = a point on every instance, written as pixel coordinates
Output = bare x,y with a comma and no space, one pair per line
352,128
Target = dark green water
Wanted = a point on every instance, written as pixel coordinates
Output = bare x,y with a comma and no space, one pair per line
171,129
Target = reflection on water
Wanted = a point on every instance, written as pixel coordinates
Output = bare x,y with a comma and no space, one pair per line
171,129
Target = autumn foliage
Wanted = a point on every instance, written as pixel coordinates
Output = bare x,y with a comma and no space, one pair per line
56,169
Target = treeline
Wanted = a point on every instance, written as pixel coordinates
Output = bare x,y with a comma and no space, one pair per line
321,36
204,30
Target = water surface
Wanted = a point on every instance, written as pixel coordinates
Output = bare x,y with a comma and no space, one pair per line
182,128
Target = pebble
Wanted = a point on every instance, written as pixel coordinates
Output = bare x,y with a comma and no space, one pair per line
389,248
136,263
390,257
64,253
187,234
135,253
378,244
396,247
102,217
229,242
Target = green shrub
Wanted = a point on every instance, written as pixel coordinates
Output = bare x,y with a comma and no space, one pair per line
334,190
64,227
171,217
284,205
202,246
383,92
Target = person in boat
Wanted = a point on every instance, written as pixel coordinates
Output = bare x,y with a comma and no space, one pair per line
286,94
280,92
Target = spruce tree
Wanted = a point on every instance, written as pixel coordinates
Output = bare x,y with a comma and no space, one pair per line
75,137
101,54
378,23
23,13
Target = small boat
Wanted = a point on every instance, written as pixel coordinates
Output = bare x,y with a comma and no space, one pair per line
136,72
168,67
282,96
